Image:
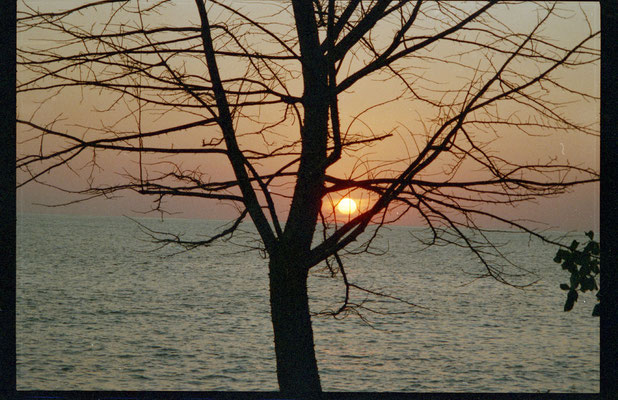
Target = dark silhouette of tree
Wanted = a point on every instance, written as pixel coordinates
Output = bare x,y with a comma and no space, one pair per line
265,90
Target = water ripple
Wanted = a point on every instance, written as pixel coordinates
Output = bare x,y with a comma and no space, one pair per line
95,314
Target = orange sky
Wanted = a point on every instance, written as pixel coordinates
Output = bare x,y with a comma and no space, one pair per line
578,210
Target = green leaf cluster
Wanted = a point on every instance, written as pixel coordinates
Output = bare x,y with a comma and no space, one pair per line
584,267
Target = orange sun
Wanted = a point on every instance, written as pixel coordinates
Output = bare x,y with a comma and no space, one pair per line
346,206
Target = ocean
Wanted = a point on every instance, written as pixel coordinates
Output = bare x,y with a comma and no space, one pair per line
99,308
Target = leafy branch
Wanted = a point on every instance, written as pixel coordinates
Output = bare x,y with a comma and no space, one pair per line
584,266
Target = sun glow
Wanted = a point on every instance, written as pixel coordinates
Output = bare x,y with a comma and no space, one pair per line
346,206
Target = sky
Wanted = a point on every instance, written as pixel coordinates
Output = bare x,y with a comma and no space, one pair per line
578,210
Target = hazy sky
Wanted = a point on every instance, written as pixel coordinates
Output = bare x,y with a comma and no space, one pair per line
577,210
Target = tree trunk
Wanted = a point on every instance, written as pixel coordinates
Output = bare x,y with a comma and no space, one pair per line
297,369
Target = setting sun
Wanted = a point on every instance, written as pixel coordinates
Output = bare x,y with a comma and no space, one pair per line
346,206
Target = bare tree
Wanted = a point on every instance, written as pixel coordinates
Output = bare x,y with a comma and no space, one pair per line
272,92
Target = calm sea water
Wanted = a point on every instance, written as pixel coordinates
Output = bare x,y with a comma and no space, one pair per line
98,310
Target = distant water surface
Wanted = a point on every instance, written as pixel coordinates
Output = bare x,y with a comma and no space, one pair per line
97,310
